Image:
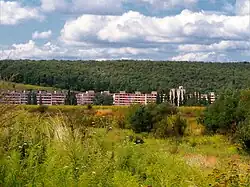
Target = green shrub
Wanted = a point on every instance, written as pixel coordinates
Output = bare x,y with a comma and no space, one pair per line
128,115
162,129
42,108
225,114
154,118
243,134
141,120
170,126
179,126
89,107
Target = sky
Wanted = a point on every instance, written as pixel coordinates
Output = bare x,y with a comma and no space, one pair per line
178,30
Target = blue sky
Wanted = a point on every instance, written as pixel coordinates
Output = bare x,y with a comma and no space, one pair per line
189,30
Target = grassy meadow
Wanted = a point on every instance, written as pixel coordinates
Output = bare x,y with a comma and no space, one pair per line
20,87
75,146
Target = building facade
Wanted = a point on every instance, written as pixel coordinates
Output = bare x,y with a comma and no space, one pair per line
13,97
85,98
50,98
176,97
124,98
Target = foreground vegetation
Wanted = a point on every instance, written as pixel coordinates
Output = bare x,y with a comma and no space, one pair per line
80,146
125,75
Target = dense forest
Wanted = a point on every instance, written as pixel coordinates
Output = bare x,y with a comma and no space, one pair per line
127,75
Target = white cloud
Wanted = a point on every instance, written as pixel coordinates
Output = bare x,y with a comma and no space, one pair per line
209,57
242,7
111,7
52,5
31,50
221,46
97,6
13,13
41,35
165,4
135,27
83,6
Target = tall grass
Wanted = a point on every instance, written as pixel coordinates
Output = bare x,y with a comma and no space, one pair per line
38,149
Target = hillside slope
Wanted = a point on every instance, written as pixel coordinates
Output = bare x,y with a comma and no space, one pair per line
127,75
19,87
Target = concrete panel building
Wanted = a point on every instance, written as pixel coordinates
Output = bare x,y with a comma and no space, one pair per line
123,98
84,98
14,97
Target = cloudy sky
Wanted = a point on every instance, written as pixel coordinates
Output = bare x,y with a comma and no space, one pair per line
192,30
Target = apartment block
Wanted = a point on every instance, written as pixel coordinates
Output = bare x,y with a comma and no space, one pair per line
85,97
58,98
50,98
124,98
44,98
14,97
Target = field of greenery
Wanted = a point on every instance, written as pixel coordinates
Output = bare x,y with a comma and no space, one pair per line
155,145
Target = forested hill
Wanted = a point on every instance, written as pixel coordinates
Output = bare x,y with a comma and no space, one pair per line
143,76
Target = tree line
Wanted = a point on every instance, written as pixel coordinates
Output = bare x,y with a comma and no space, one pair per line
127,75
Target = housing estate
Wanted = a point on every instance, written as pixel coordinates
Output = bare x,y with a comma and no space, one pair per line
175,96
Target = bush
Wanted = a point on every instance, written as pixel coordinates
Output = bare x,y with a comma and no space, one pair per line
179,126
144,118
243,134
128,115
223,114
161,129
141,120
42,108
160,119
89,107
170,126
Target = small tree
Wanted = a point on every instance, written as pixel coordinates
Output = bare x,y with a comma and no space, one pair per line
141,120
158,99
103,99
149,118
34,98
29,99
224,113
70,98
179,126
